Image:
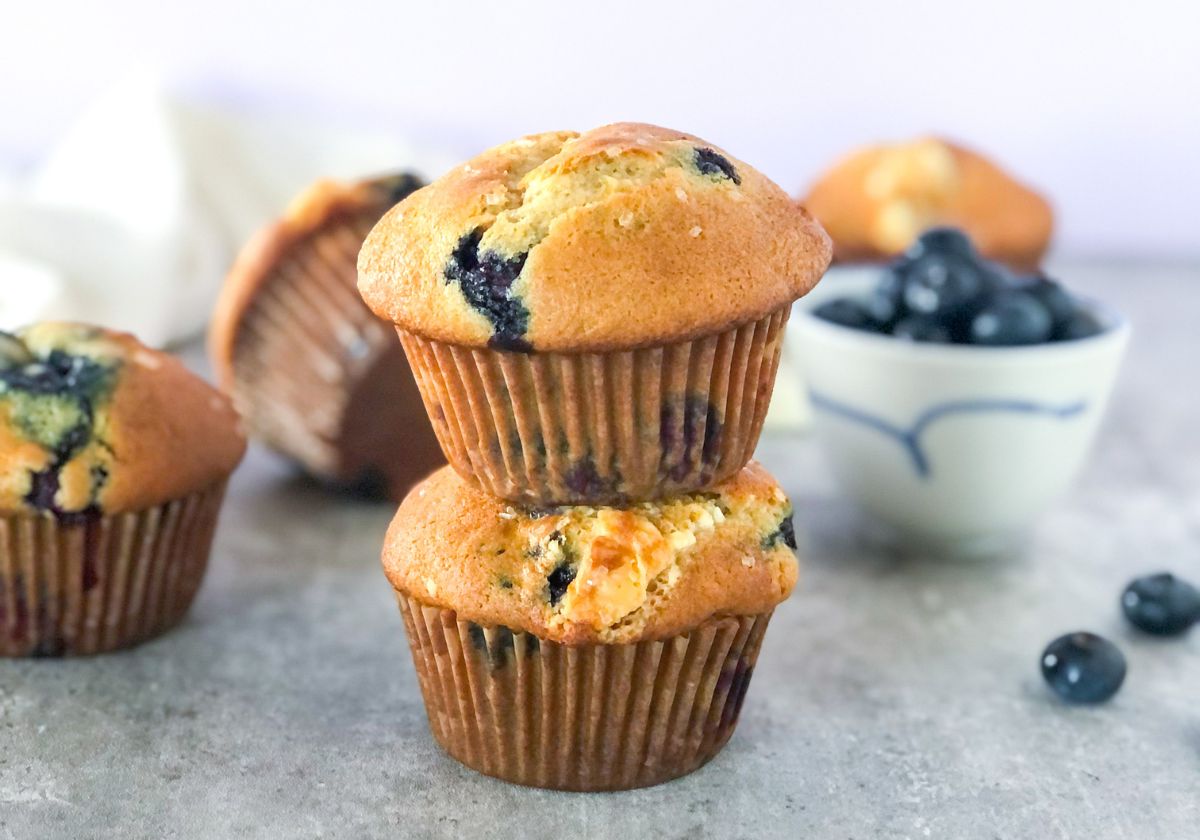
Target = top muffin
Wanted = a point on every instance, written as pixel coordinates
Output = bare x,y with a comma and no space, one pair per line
94,421
629,235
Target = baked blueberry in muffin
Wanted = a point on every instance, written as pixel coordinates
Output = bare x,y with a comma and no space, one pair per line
486,281
712,163
52,401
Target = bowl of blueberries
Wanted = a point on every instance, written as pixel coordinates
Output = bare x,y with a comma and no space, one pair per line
955,399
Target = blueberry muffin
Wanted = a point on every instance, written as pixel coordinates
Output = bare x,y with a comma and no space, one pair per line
594,317
582,647
315,375
879,199
113,465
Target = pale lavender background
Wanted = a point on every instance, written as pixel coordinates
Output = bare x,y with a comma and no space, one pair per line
1098,103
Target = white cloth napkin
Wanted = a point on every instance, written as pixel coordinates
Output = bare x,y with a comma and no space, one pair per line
133,218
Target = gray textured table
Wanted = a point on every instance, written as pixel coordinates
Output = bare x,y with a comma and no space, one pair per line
894,697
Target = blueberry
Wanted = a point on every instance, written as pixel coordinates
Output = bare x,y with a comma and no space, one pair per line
1011,318
43,488
891,283
1082,324
882,308
710,162
1161,604
787,530
59,376
1057,300
498,649
1083,667
399,186
558,580
941,240
691,437
486,280
948,286
885,302
785,533
846,312
922,328
586,482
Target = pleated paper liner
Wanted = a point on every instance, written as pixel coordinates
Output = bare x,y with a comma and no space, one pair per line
322,380
95,582
601,428
583,718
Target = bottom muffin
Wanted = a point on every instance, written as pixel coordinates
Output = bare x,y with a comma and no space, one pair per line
588,648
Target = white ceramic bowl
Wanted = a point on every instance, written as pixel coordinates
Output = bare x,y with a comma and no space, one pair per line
956,447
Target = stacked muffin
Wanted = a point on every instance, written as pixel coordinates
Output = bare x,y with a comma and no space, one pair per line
594,322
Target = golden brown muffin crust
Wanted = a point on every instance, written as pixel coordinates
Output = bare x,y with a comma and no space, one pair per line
629,235
582,575
93,420
324,203
878,199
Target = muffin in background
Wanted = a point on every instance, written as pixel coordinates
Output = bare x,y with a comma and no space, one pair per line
594,317
315,375
588,648
113,465
877,200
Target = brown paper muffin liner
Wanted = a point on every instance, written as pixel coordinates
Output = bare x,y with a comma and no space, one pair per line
585,718
91,583
601,428
319,378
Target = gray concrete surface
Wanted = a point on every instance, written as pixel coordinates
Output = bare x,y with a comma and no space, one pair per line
895,698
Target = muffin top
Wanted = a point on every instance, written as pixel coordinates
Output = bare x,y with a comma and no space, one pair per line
625,236
93,421
325,204
879,199
581,575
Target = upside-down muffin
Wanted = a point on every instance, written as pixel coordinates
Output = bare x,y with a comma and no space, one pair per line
315,374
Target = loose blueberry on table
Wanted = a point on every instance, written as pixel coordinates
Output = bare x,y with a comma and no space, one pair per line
1083,667
941,291
1161,604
